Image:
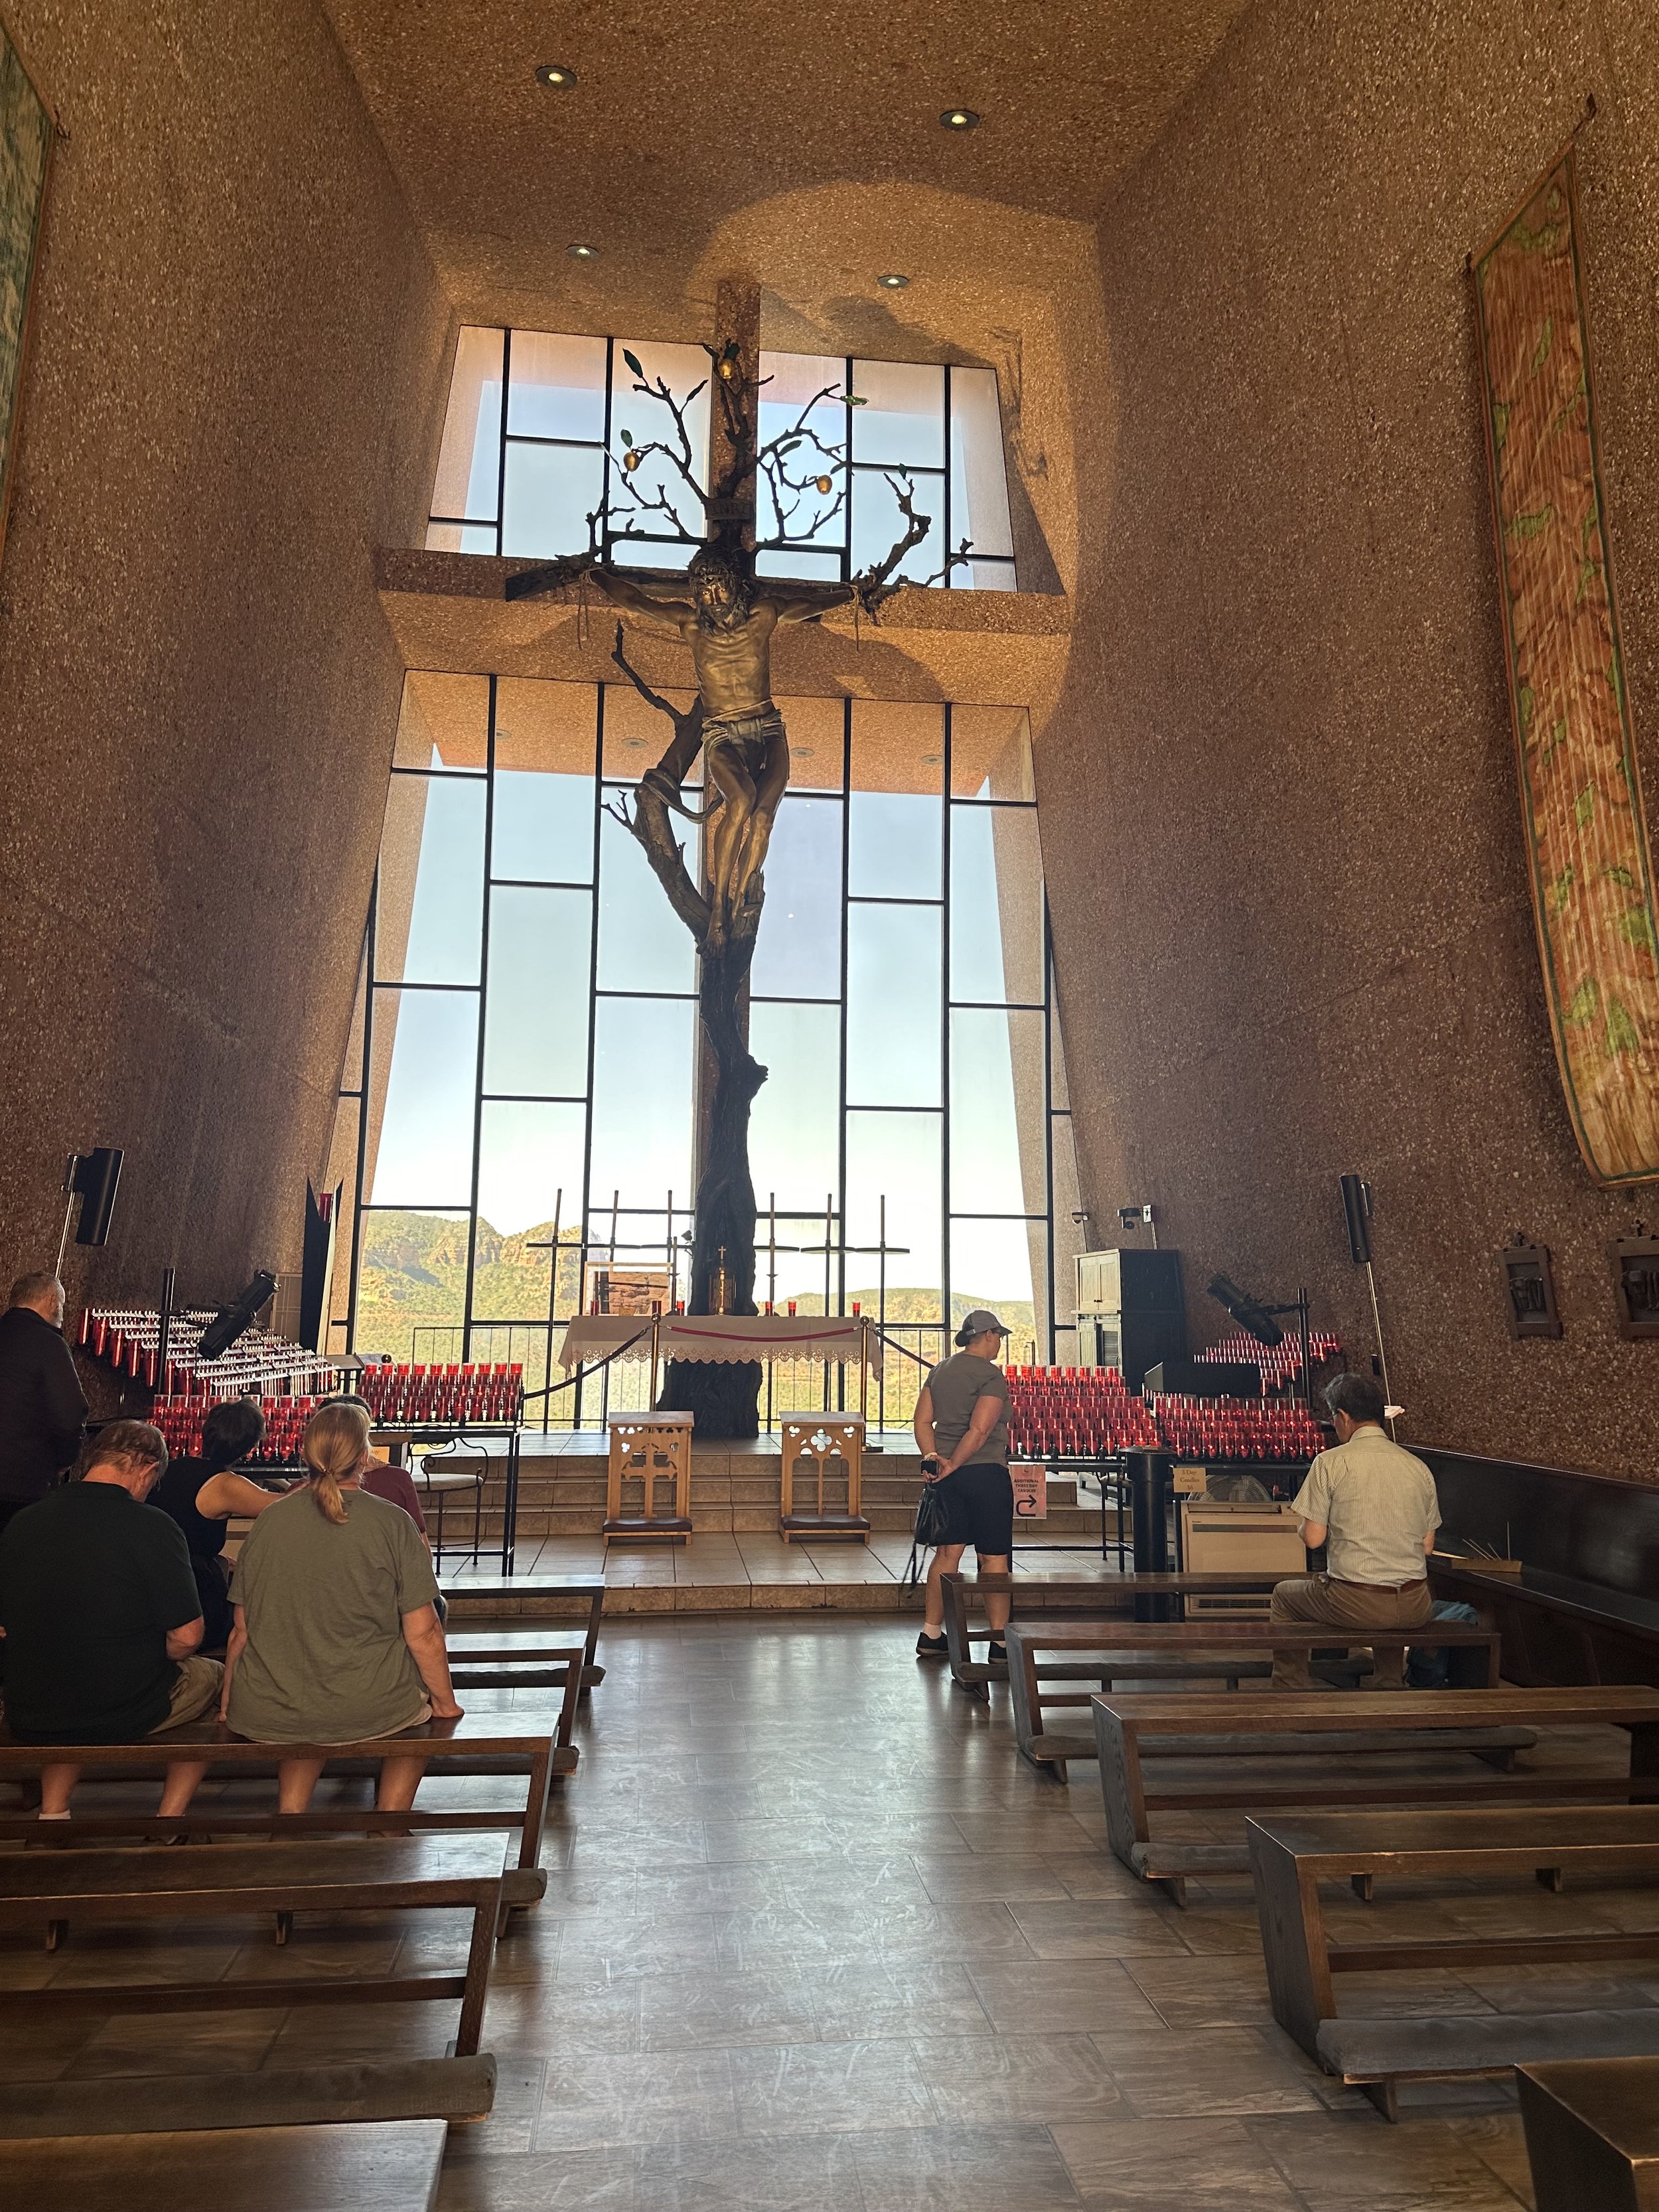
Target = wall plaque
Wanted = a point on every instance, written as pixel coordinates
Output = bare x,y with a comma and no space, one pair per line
1636,1285
1531,1287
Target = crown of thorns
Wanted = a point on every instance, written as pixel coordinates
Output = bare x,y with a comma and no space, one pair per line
717,563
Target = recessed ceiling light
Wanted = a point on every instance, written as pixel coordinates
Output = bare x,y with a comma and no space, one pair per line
959,119
892,282
558,77
580,252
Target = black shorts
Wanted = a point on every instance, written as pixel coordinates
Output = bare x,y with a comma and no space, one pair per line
978,1505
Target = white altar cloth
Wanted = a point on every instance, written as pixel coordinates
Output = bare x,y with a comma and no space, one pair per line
723,1337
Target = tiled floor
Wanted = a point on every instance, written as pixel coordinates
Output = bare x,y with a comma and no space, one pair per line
816,1941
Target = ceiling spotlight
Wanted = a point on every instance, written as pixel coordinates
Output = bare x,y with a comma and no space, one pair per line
959,119
559,77
580,252
892,282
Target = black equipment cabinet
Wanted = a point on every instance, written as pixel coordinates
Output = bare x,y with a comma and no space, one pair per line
1131,1313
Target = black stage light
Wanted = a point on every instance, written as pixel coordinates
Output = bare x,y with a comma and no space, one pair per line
230,1322
1254,1319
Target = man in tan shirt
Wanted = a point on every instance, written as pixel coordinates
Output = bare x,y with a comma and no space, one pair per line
1375,1508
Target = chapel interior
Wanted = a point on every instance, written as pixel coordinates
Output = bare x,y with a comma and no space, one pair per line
1165,874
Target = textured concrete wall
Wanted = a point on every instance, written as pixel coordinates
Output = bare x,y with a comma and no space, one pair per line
1284,842
234,398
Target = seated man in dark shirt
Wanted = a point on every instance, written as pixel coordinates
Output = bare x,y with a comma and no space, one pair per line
100,1616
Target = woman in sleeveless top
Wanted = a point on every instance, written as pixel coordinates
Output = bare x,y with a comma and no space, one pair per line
201,1494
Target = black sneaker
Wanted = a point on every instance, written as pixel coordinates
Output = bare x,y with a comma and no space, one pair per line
932,1647
997,1653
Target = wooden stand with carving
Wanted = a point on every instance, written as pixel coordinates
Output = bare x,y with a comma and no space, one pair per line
656,1447
824,1436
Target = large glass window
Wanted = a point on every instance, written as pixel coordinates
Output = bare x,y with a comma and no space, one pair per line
522,479
522,1071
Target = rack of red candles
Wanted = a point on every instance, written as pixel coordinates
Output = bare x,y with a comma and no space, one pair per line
460,1397
1074,1413
478,1396
129,1338
1086,1413
1210,1429
1279,1362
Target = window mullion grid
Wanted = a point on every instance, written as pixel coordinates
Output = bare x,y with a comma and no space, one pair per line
846,910
593,973
847,543
483,1010
945,1032
500,460
1048,1118
363,1073
949,538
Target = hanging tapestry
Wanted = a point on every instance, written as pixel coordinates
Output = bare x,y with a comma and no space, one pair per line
25,135
1592,890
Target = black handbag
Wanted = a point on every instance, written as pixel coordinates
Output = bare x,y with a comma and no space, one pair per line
931,1527
933,1516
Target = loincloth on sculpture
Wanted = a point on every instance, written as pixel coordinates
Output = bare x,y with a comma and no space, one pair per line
759,722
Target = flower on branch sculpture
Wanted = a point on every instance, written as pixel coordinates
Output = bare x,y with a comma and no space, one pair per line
726,615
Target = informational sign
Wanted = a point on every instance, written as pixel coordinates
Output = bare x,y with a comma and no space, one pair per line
1030,1493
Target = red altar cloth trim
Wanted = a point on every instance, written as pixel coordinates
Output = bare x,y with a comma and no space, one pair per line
721,1339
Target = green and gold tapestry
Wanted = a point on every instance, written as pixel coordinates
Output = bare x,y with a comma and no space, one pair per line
26,134
1591,880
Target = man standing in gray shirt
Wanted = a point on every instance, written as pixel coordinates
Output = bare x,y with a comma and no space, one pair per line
962,1426
1375,1507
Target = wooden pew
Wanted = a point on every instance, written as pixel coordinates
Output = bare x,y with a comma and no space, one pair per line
486,1743
391,2165
1109,1596
455,2089
1129,1727
56,1890
1290,1855
1592,2127
1148,1650
589,1589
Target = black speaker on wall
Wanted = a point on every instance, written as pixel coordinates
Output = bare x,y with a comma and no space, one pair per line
1357,1213
93,1178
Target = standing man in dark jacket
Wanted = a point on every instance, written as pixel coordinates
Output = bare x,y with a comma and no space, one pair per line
42,1406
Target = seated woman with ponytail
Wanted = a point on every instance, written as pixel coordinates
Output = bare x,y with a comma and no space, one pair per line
336,1639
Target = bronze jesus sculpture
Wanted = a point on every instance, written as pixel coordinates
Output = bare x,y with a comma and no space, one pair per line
728,621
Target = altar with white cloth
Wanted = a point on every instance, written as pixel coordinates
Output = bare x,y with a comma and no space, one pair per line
850,1340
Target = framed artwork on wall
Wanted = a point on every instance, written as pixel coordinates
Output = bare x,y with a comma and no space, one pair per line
1594,904
28,130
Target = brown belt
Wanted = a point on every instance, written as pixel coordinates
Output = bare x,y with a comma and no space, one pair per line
1393,1589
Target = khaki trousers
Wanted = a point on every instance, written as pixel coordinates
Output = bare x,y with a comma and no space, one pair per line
195,1690
1314,1600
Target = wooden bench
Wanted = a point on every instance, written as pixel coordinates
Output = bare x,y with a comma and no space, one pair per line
298,2096
1592,2128
1128,1728
1108,1595
1290,1855
487,1663
389,2166
56,1890
588,1590
479,1744
1182,1651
